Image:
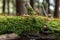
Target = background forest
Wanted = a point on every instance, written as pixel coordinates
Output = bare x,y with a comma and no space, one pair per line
41,7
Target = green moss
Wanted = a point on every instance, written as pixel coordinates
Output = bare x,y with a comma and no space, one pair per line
19,25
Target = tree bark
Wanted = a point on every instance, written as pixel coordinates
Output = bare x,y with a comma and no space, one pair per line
8,1
48,7
56,13
3,6
32,3
20,7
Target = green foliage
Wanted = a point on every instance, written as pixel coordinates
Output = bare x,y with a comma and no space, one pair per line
17,25
54,25
30,10
32,24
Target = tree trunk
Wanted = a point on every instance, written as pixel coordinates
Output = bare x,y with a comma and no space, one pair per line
56,13
20,7
3,6
48,7
8,1
32,3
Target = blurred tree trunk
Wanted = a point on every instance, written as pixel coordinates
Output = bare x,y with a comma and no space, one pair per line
20,7
45,7
44,4
8,1
56,13
3,6
49,13
59,8
32,3
48,7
